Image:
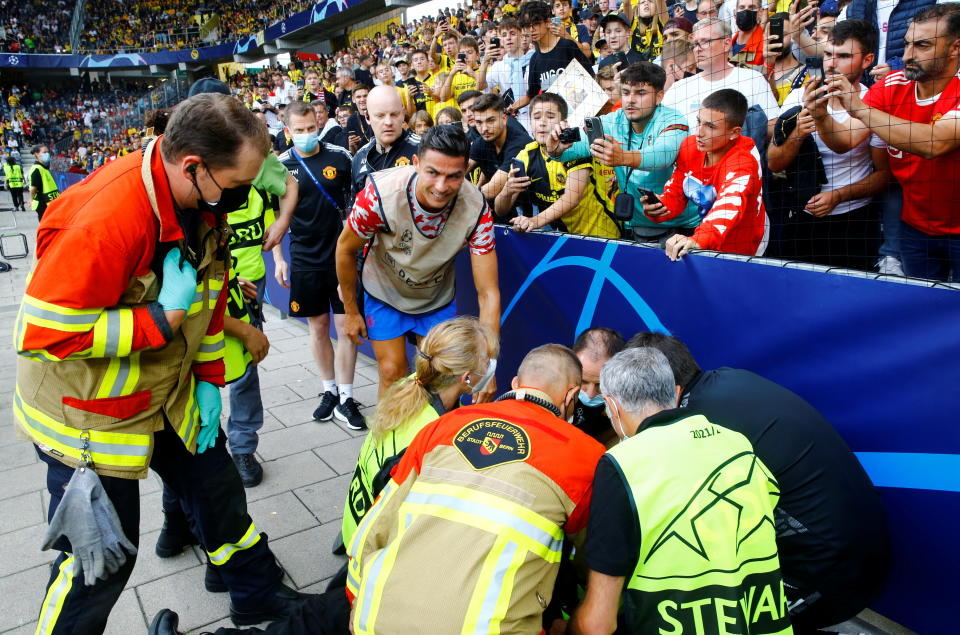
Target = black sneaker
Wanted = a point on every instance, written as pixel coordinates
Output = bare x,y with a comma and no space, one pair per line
280,604
324,412
349,413
250,471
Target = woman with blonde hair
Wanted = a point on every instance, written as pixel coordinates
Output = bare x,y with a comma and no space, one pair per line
456,357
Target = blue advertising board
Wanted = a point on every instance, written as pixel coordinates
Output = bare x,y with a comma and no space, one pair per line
881,360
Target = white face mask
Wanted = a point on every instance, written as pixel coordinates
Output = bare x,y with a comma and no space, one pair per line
622,432
487,376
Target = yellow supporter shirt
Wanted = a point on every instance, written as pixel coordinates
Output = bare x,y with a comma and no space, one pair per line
548,181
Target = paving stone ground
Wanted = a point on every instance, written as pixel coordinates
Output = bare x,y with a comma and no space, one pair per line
307,467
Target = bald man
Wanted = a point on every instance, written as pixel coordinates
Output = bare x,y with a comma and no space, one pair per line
391,146
487,493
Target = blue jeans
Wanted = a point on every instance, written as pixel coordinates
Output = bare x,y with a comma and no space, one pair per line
931,257
246,408
891,204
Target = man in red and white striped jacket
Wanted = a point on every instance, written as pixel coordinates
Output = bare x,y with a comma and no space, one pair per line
718,170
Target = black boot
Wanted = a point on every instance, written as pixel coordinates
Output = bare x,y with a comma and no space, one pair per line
165,623
175,536
212,580
281,603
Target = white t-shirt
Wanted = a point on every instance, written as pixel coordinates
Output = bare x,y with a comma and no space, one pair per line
884,11
842,169
687,94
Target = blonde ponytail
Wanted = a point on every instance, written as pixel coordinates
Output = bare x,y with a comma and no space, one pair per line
449,350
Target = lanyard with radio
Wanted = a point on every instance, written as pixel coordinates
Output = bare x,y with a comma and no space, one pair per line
316,182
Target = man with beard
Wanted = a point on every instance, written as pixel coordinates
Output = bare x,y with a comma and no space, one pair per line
501,139
916,111
642,141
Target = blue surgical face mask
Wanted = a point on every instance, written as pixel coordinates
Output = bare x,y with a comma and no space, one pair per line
591,402
306,141
44,157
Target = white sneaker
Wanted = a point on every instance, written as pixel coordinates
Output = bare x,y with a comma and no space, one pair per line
890,266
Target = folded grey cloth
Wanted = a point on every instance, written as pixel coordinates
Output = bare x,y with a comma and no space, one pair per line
87,518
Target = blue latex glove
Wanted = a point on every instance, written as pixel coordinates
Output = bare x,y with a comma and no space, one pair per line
179,284
208,399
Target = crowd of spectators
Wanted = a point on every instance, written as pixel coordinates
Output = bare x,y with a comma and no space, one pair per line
114,26
823,186
35,26
85,125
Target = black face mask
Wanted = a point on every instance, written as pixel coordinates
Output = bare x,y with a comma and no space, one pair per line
746,20
231,198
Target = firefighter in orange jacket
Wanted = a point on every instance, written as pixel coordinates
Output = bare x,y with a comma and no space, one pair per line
120,342
468,534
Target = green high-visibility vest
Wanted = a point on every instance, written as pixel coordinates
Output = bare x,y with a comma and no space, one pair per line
373,454
50,190
249,224
236,358
708,554
14,174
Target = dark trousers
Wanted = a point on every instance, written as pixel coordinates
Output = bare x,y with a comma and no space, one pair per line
16,193
325,614
931,257
208,488
850,241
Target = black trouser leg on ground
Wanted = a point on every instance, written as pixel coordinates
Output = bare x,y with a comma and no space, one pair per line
324,614
212,497
16,193
70,607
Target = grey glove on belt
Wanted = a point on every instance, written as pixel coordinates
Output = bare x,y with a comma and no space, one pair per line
87,518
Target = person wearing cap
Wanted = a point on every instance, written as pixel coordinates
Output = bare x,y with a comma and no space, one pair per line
590,19
677,29
616,30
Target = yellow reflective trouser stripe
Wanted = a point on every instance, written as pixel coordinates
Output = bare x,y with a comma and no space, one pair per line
211,348
56,595
121,377
113,333
491,595
188,428
106,448
225,552
489,513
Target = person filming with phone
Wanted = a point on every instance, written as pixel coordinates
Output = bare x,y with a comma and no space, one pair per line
562,191
641,141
